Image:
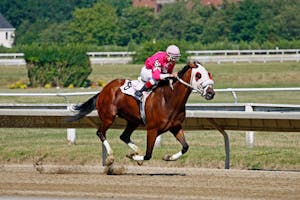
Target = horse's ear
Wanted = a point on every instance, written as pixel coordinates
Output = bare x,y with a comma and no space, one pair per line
192,64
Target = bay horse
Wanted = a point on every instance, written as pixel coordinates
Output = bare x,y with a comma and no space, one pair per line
164,110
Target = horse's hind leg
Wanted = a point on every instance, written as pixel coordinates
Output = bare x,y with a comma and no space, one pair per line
101,133
125,137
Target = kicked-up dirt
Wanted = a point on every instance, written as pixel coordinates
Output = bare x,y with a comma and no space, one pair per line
142,182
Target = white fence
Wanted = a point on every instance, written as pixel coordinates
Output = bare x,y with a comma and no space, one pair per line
211,56
234,56
110,57
12,59
233,91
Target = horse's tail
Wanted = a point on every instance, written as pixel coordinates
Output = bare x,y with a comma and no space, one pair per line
82,110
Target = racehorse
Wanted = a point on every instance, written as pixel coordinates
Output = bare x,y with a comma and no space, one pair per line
164,110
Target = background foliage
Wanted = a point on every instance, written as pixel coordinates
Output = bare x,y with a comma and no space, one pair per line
112,25
57,65
104,22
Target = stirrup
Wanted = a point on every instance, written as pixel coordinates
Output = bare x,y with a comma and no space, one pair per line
138,98
138,95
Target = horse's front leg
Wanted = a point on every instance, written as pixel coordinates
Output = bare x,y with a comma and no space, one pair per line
180,137
151,137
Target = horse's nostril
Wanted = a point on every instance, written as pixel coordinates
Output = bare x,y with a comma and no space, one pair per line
210,95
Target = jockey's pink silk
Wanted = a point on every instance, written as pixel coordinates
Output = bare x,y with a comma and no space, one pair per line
159,64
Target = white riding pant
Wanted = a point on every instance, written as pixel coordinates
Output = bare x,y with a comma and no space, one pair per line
146,75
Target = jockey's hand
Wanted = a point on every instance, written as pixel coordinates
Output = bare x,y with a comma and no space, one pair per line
174,74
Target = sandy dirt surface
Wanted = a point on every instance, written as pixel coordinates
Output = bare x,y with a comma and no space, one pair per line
140,182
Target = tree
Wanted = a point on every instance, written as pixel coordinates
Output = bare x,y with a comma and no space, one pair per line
174,21
136,24
95,25
31,17
244,22
288,22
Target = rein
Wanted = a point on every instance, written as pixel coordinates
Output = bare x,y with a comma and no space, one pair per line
189,85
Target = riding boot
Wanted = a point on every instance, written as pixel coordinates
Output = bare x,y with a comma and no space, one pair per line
139,93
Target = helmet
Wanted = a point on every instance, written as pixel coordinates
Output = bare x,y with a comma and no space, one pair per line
173,52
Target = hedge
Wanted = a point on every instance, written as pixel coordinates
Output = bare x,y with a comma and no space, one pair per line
57,65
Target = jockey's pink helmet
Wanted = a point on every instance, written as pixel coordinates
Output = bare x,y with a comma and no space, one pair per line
173,51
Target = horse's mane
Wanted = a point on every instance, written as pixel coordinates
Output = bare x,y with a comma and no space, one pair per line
180,74
183,70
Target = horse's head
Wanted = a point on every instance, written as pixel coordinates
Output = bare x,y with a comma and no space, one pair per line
201,80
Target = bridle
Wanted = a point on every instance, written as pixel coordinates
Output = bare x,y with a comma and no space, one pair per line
202,90
190,86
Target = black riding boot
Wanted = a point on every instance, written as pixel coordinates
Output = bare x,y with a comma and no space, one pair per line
139,93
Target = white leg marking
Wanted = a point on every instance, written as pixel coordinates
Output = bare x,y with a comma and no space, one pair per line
138,158
176,156
108,148
135,148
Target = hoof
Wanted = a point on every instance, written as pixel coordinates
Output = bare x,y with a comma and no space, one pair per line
140,163
130,155
109,160
167,158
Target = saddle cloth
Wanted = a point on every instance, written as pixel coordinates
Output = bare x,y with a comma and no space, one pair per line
129,88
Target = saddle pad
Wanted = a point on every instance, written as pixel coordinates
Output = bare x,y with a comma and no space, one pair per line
130,86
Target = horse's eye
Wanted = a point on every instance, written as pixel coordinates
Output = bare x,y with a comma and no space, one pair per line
198,76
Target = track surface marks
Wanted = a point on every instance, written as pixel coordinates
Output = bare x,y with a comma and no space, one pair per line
81,182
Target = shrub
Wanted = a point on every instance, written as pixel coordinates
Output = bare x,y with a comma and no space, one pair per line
57,65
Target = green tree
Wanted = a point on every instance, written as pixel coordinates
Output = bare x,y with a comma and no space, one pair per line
215,29
31,17
136,24
173,21
244,22
95,25
288,22
55,33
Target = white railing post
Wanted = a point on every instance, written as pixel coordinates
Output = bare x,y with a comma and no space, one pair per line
71,135
249,137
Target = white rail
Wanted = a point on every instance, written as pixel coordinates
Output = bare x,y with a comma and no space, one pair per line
205,56
232,90
12,59
245,52
222,56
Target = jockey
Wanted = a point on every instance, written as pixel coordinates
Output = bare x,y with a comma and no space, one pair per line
157,67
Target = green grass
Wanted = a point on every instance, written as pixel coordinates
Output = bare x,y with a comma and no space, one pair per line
271,150
206,149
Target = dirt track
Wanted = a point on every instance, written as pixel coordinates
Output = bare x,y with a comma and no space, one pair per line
148,183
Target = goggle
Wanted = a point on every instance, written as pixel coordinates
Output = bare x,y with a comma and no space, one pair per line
174,57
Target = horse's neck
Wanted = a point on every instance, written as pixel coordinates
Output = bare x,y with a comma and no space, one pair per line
181,92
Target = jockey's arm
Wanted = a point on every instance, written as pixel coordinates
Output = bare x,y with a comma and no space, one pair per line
157,75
